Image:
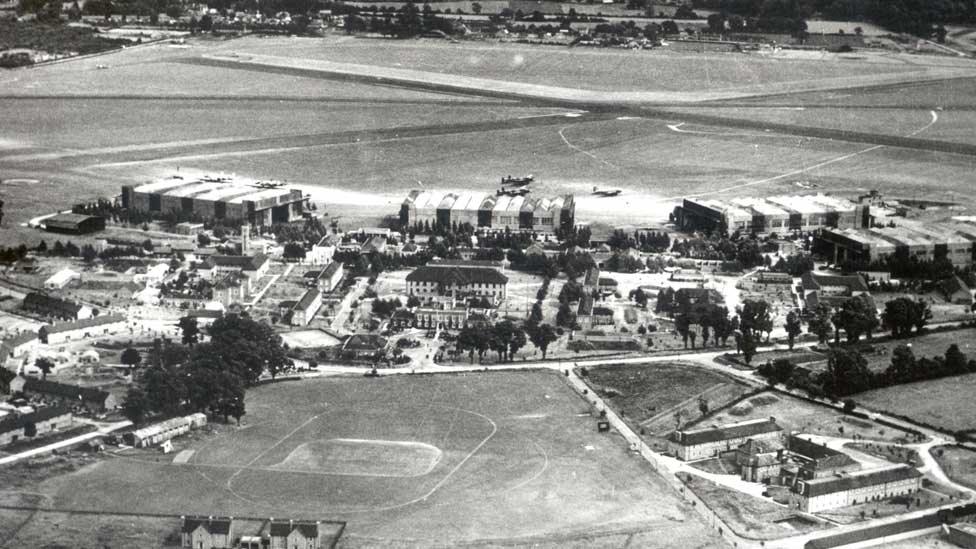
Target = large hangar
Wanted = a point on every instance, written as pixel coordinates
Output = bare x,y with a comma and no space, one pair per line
217,198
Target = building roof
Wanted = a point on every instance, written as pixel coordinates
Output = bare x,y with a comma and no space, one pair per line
307,299
13,422
213,525
67,220
820,456
863,479
813,281
364,342
45,301
64,390
308,529
243,262
19,339
82,324
457,275
715,434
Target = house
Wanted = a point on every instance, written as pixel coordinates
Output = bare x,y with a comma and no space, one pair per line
832,290
89,357
55,307
441,315
254,267
15,426
695,444
328,279
817,460
304,311
606,286
364,346
53,334
844,490
90,398
403,318
956,291
458,282
61,279
376,244
207,532
18,345
759,460
295,534
323,251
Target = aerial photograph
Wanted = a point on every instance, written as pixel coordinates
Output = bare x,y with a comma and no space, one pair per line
587,274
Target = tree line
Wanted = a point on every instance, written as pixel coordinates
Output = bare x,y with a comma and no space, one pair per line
206,377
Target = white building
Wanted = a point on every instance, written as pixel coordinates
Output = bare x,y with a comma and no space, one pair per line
845,490
711,441
60,279
322,252
458,282
99,326
304,311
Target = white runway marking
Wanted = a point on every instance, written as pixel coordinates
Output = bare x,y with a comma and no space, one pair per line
579,150
935,118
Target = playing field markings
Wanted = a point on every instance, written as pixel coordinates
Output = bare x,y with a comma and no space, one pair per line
268,449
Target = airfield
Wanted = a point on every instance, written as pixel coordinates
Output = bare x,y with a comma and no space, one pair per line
689,125
484,458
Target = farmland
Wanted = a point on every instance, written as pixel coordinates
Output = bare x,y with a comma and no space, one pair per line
934,402
486,456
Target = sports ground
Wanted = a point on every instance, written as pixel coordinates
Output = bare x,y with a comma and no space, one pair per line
488,458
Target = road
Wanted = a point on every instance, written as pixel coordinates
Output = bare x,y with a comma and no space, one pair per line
103,429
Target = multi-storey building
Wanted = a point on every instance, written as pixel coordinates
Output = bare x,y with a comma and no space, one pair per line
705,443
457,282
844,490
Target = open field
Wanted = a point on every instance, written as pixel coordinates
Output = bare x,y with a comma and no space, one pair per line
935,402
958,463
491,456
931,344
797,415
749,516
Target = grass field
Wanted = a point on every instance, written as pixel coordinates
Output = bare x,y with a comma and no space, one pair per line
648,390
509,457
958,463
797,415
935,402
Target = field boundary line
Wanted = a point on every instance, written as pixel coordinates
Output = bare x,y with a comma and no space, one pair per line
264,452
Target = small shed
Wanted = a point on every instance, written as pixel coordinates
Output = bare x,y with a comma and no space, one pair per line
89,357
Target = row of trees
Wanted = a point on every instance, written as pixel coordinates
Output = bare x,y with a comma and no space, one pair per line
847,371
206,377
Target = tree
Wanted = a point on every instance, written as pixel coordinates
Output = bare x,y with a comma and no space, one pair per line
755,317
135,407
203,240
683,327
88,253
475,8
898,316
564,316
749,344
955,361
821,324
535,316
902,367
30,429
131,358
856,318
849,405
847,373
45,365
793,327
542,336
190,330
249,347
294,250
921,314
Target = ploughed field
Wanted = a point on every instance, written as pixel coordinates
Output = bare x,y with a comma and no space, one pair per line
444,459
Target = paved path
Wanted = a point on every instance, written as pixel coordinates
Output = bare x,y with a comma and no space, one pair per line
103,429
274,280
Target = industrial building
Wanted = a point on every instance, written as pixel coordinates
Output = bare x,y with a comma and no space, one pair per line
217,198
486,211
844,490
71,223
776,214
927,242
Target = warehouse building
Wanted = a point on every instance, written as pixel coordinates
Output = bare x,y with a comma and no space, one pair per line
99,326
217,198
844,490
923,242
776,214
70,223
709,442
55,307
424,208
